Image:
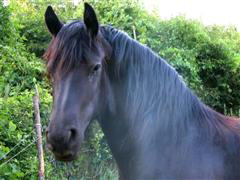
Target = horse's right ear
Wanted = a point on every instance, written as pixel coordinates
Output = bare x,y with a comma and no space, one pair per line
52,21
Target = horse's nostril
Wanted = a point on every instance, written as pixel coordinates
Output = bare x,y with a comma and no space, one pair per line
72,134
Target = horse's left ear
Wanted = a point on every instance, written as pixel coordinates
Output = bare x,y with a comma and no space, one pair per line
90,20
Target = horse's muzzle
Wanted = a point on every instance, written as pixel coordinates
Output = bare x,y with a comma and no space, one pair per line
63,145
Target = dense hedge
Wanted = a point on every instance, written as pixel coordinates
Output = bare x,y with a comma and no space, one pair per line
208,58
19,70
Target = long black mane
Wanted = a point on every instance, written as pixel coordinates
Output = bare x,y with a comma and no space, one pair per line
169,98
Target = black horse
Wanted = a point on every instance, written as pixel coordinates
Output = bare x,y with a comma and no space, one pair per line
155,126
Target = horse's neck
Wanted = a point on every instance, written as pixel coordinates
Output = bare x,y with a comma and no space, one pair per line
149,106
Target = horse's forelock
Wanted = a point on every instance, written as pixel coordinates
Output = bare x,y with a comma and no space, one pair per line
68,49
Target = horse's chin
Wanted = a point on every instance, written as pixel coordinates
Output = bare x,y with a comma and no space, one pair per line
65,158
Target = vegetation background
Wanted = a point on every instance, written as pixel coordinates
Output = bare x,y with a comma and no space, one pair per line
208,58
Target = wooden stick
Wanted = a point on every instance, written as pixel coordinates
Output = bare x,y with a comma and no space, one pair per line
39,134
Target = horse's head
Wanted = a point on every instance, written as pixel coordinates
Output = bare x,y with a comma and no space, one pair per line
75,60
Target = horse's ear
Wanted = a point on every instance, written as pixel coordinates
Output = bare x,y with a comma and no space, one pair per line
52,21
90,20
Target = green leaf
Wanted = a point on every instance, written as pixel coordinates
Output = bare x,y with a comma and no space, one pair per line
11,126
19,136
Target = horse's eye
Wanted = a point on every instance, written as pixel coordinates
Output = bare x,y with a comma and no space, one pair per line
96,68
94,71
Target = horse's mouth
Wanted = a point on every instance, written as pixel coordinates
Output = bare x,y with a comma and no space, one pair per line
65,158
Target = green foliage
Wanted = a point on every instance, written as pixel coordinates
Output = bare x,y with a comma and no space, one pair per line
208,58
5,25
15,114
18,69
